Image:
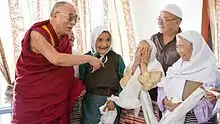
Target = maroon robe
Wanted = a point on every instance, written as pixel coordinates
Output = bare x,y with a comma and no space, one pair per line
42,91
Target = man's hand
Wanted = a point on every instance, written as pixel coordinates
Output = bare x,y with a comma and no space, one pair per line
95,63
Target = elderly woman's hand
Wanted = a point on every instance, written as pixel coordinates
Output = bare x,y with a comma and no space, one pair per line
138,53
110,106
145,56
137,58
169,105
210,96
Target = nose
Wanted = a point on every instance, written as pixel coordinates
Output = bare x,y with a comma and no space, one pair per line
104,43
160,21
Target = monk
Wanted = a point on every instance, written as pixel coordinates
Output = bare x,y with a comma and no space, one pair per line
44,70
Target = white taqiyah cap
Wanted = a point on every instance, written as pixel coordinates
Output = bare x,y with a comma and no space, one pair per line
173,9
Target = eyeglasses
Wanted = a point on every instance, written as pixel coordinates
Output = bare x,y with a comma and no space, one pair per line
165,20
71,17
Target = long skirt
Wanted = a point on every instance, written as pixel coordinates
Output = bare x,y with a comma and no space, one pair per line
128,116
191,119
91,104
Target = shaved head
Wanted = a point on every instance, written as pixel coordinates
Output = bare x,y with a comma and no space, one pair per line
60,5
63,17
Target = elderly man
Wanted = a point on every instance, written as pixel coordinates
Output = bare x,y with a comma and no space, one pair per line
44,70
165,40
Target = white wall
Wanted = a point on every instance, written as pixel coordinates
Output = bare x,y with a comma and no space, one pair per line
145,12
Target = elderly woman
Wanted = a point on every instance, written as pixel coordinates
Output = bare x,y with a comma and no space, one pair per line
180,89
103,82
140,77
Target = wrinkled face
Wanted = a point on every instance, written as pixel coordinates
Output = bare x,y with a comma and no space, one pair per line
103,43
184,48
65,18
168,22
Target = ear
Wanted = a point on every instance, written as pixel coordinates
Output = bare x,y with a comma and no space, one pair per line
178,21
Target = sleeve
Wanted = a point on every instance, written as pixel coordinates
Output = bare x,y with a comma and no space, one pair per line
82,71
149,80
160,98
126,77
203,110
121,67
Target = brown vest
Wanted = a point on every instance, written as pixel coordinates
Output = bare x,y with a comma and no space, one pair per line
105,77
166,54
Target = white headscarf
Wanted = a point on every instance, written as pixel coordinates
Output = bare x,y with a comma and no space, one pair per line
202,64
200,68
95,34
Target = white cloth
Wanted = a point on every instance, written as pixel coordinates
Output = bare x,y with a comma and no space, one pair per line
200,68
178,115
95,34
132,95
132,90
217,94
129,96
216,108
173,9
108,117
147,107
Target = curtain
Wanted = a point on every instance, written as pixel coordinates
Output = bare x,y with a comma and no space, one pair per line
216,21
205,20
6,74
114,14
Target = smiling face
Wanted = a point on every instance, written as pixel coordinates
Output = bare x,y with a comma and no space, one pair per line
65,17
184,48
168,22
103,43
